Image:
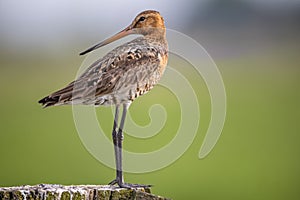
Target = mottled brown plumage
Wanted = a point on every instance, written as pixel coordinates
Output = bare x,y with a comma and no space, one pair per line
121,76
125,73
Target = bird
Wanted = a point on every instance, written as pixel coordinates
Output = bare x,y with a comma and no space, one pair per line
121,76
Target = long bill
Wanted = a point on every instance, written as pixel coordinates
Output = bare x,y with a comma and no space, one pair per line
121,34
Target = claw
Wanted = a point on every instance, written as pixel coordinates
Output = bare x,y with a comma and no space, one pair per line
113,182
129,185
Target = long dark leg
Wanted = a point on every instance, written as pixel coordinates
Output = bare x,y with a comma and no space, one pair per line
120,137
115,141
118,140
117,136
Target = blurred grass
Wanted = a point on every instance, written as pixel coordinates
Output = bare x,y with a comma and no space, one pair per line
255,158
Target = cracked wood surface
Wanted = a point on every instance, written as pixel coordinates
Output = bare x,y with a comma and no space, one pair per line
75,192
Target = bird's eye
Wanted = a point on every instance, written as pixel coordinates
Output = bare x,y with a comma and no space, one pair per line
142,19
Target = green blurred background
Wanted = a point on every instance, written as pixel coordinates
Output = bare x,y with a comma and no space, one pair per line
255,46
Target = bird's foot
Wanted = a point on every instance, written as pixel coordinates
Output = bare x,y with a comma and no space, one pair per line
113,182
129,185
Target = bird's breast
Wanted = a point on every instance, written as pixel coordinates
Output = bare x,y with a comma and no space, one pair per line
163,60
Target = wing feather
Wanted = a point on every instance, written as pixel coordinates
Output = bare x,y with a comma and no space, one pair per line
121,70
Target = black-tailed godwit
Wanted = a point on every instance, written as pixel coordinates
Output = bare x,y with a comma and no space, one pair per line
121,76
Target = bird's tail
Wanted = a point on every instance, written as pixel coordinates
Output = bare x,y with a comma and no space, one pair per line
49,101
63,96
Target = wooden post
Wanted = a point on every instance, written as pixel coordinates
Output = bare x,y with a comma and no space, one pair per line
75,192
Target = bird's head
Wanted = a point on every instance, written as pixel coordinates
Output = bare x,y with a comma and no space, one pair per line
148,22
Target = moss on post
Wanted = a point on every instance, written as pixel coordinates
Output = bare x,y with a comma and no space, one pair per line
75,192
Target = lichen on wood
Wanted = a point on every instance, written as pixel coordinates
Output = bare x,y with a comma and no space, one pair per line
75,192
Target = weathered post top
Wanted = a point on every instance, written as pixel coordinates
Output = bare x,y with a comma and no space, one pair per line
75,192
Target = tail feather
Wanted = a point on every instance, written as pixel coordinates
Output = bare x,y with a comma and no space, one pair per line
49,101
58,97
64,96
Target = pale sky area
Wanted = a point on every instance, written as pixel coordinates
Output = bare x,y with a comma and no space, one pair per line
36,24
